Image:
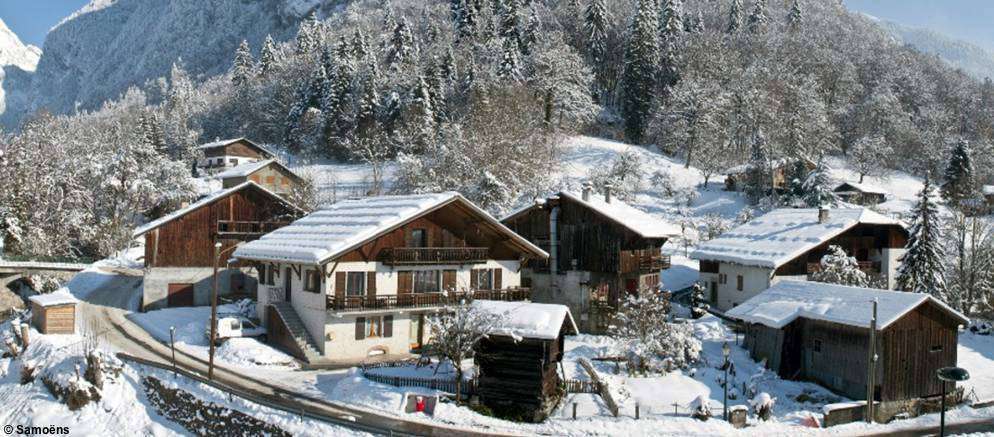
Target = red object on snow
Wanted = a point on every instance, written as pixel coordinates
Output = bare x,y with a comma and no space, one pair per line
420,405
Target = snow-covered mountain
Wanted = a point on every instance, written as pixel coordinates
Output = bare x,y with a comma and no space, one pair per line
17,62
973,59
109,45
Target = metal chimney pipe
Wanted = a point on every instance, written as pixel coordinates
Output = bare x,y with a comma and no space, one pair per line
587,189
822,214
607,192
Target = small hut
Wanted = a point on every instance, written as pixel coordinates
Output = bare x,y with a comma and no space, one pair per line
860,194
54,313
518,360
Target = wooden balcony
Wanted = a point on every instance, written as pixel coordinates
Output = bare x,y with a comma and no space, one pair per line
422,300
433,255
654,264
246,230
868,267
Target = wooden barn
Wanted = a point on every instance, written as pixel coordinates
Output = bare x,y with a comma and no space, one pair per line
179,248
860,194
54,313
600,249
225,154
518,361
820,332
736,176
270,174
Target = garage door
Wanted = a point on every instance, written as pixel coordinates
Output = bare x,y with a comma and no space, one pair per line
180,295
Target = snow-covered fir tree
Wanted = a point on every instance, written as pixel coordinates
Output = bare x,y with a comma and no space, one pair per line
958,182
671,30
401,48
244,66
818,189
795,18
639,78
698,301
595,29
922,267
308,39
268,56
758,19
735,17
837,267
759,174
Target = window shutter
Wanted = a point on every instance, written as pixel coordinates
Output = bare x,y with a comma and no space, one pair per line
340,285
388,326
371,285
405,282
498,284
360,328
449,280
474,279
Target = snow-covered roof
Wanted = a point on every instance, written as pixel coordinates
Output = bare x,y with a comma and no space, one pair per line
243,170
527,319
781,235
222,143
742,168
988,189
864,188
58,297
636,220
200,203
788,300
342,226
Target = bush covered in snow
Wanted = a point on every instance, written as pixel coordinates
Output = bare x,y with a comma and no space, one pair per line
649,338
837,267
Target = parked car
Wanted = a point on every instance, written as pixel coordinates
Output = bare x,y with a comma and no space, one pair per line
234,326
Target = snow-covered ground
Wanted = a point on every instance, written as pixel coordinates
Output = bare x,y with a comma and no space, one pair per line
976,355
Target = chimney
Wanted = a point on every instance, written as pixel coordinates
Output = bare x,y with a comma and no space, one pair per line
607,192
587,189
823,214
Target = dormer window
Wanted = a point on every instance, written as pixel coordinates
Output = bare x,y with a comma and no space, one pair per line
417,238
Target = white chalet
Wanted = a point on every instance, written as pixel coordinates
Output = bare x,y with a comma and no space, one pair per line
789,243
357,279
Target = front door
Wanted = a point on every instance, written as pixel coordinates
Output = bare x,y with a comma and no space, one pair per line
714,293
286,284
180,295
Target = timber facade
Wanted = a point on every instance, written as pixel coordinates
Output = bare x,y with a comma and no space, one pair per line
225,154
270,174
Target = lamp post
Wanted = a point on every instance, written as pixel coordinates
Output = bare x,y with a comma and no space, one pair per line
949,374
213,339
725,352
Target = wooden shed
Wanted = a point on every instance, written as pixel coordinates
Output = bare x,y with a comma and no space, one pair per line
518,361
54,313
860,194
820,332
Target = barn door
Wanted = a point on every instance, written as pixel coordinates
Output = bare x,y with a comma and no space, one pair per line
791,352
180,295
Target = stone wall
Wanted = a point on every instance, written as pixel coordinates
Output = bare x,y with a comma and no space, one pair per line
204,418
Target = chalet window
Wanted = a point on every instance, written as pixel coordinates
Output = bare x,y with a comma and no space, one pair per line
374,326
817,346
418,238
426,281
312,281
709,266
355,284
284,181
233,161
722,278
738,283
484,279
271,180
936,348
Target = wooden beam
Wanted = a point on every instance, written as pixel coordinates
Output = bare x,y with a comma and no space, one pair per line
332,271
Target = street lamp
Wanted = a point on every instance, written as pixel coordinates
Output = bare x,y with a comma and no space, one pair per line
949,374
213,339
725,352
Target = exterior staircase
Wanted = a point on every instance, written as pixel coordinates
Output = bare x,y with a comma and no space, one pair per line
305,345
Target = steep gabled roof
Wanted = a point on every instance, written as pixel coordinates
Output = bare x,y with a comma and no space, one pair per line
144,229
343,226
863,188
779,236
244,170
617,211
789,300
222,143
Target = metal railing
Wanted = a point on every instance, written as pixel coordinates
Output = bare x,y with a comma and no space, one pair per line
434,255
422,300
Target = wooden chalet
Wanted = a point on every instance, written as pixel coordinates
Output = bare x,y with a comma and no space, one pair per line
224,154
179,247
519,359
820,332
360,277
789,243
735,177
860,194
600,249
269,173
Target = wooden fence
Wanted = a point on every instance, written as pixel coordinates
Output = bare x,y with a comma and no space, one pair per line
580,386
446,385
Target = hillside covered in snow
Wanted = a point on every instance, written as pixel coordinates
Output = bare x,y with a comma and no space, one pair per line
17,62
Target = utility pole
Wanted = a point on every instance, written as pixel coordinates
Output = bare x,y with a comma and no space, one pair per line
213,339
871,362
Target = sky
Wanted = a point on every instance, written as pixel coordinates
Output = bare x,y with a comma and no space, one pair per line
31,19
968,20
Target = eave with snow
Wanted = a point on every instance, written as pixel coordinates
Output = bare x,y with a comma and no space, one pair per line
789,243
820,332
599,246
860,194
358,277
226,154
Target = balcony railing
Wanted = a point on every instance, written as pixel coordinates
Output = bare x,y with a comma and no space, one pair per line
247,229
654,264
433,255
422,300
865,266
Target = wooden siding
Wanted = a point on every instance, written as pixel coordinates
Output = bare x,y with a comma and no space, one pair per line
188,241
862,241
909,363
452,225
273,177
55,319
237,148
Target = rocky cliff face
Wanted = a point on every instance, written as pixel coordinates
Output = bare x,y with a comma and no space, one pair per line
17,62
109,45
